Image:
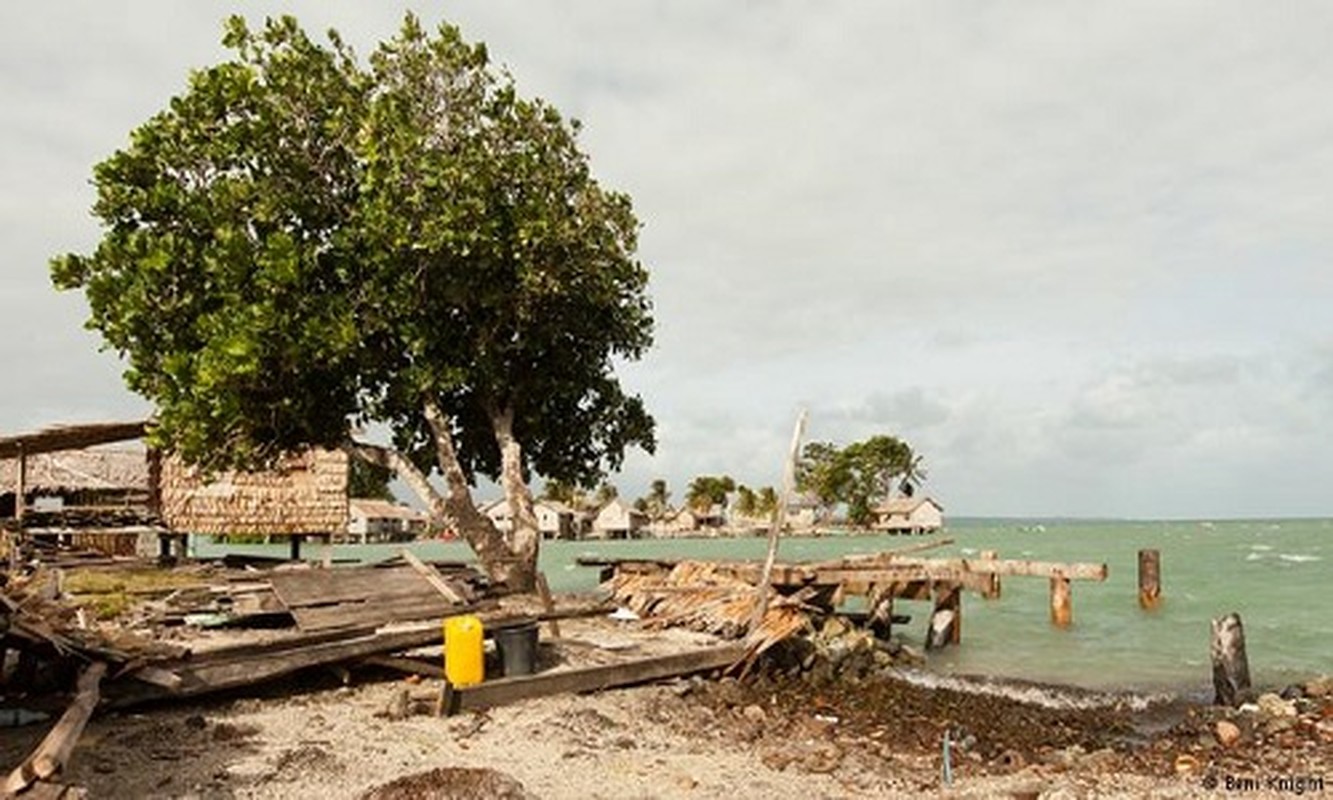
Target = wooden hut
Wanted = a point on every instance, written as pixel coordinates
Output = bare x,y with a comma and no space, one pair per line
305,495
54,489
555,520
616,520
383,521
71,480
909,515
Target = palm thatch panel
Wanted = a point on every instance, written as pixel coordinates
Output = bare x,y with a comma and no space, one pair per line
306,494
78,472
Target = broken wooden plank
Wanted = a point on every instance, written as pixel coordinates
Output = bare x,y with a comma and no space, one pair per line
548,603
412,666
229,668
775,526
432,577
158,677
589,679
328,587
52,755
1002,566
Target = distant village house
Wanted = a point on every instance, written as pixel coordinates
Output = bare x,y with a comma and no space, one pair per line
616,520
383,521
909,515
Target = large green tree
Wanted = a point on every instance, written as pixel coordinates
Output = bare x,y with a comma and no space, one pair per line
300,244
860,474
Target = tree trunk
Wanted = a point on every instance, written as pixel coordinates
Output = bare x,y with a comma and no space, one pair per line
454,509
524,537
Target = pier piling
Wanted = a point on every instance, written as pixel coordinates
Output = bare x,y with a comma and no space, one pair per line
1231,667
1150,579
992,587
1062,602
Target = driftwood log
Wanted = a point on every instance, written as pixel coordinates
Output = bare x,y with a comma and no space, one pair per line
53,753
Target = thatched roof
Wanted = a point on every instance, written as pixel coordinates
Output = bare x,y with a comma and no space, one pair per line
306,494
904,505
70,437
78,470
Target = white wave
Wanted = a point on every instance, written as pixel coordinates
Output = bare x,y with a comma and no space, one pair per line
1046,696
1261,547
1254,557
1299,558
968,551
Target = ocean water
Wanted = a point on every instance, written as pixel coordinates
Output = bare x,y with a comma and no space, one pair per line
1276,574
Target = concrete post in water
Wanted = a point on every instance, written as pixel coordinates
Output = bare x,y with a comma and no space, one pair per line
1062,602
992,591
1231,667
1150,579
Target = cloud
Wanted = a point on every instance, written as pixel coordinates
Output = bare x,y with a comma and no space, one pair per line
1077,255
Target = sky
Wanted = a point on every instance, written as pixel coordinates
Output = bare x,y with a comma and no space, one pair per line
1079,255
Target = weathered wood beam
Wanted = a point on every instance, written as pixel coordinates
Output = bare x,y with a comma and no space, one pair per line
70,437
548,603
1040,569
775,526
53,753
20,486
588,679
871,570
412,666
213,671
432,577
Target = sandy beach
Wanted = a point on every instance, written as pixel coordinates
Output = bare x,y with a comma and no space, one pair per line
852,737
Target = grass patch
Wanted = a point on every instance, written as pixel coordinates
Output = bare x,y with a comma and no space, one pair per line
109,593
126,581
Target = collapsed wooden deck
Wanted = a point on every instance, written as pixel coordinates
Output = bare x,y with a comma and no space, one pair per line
880,579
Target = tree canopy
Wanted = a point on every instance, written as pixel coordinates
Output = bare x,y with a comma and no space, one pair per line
706,491
301,243
859,474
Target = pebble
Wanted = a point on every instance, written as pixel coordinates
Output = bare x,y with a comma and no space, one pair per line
754,714
1274,707
1320,687
1228,733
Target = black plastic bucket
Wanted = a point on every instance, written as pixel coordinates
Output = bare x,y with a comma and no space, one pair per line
517,646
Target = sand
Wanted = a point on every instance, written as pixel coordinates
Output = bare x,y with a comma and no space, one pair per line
313,737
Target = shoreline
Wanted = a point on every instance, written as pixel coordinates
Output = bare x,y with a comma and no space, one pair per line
849,735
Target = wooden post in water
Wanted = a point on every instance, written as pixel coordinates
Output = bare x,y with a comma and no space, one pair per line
946,621
880,617
992,590
1231,667
1062,602
1150,579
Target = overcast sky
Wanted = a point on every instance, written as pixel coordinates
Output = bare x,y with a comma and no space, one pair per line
1080,255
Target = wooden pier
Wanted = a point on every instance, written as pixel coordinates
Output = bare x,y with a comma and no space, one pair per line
884,577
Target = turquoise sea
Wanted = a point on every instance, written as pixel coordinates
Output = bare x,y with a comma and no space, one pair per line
1275,573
